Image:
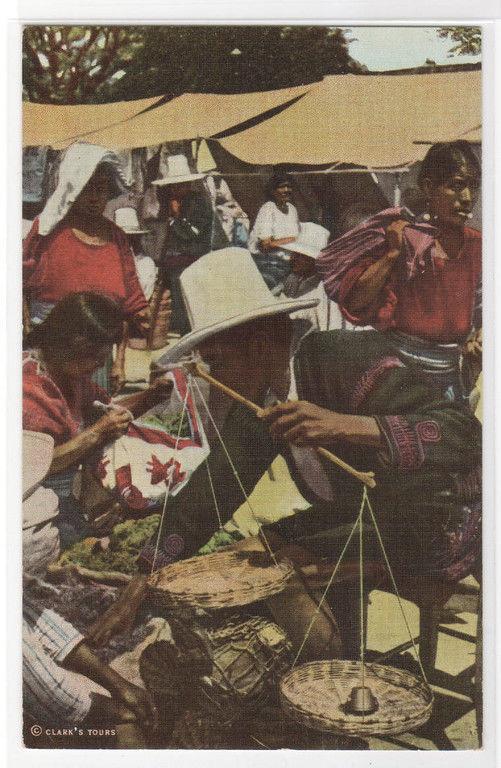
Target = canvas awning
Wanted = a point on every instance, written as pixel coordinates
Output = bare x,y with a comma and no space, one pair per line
190,116
50,124
366,120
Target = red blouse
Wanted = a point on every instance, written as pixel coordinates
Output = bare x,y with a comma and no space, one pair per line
60,263
45,409
437,304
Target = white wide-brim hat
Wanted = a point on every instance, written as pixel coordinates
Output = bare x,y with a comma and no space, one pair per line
311,240
38,449
221,290
178,172
126,219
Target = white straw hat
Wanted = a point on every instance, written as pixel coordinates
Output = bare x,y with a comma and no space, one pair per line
126,219
37,457
311,240
221,290
178,172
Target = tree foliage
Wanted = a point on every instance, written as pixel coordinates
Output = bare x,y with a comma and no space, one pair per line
63,64
468,40
70,65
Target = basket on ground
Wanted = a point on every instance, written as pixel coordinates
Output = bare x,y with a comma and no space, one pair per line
220,580
315,694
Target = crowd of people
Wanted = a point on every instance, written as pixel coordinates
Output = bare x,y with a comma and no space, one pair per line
272,310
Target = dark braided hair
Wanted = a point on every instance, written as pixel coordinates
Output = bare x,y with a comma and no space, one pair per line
78,324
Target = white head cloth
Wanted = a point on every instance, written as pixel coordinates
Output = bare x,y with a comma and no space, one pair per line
77,167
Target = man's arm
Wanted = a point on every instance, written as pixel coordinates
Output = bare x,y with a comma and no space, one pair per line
82,660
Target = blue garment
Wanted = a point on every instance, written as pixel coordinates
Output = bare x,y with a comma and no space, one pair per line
274,266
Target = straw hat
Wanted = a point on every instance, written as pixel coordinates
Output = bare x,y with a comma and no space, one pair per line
311,240
37,457
178,172
221,290
126,219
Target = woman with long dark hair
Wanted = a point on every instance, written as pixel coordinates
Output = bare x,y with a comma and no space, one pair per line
60,356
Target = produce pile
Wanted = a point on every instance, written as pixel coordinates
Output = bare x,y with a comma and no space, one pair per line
167,421
118,552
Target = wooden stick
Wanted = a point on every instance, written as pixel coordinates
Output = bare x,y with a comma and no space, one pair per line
365,477
57,572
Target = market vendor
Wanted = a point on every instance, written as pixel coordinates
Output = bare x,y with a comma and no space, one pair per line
60,356
359,397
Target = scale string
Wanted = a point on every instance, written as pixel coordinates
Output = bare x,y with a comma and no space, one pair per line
378,533
213,492
361,569
235,472
329,584
169,484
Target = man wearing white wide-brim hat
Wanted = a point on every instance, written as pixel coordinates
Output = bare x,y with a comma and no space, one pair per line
359,398
243,333
191,226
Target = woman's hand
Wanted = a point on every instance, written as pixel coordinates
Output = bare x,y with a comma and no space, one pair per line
113,424
395,235
303,423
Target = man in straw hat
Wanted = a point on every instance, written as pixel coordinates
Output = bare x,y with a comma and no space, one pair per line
357,397
244,333
190,227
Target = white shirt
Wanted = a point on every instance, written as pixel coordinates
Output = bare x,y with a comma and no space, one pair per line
147,273
271,222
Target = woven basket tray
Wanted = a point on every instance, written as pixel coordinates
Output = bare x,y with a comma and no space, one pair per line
315,695
218,580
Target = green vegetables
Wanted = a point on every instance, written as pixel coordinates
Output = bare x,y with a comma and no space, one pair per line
126,541
221,538
169,422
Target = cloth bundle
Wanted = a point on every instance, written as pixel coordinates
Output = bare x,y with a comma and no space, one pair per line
158,454
369,239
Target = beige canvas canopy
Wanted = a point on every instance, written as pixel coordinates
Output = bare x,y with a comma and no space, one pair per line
189,116
372,121
55,124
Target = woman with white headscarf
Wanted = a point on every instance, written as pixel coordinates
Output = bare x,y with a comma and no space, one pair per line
72,247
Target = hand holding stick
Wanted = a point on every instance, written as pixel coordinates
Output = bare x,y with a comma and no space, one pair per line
367,478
